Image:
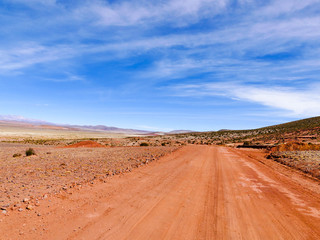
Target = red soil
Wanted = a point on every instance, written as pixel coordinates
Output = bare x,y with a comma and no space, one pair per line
88,144
198,192
295,146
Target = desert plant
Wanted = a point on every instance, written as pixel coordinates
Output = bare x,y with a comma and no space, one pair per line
30,151
144,144
17,155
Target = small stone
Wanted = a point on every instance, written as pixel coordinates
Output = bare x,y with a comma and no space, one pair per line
65,188
20,209
29,207
39,214
4,211
25,200
45,196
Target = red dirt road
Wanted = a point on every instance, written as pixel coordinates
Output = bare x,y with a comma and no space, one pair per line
198,192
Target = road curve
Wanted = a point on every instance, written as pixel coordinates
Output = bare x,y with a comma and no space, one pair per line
198,192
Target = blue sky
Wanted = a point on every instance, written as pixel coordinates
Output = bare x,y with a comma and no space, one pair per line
161,65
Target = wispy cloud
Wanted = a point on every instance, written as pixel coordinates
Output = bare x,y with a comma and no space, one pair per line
264,52
284,7
295,102
32,54
142,12
236,40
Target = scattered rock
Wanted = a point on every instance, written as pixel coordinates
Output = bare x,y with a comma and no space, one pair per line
29,207
81,167
20,209
4,211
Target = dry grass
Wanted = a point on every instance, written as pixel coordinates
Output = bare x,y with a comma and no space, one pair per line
306,161
296,146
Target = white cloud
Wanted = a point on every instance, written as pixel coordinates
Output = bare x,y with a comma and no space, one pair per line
259,36
295,102
31,54
179,12
277,8
38,5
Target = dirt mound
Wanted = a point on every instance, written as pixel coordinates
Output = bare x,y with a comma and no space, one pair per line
88,144
295,146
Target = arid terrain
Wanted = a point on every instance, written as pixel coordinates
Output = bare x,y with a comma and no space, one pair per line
16,131
54,168
168,186
197,192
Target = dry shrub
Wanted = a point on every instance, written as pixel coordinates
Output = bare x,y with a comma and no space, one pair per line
296,146
30,152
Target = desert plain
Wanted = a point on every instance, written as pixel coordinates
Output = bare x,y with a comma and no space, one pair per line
81,184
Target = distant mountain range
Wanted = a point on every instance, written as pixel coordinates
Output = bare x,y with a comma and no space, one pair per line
14,118
179,131
103,128
11,119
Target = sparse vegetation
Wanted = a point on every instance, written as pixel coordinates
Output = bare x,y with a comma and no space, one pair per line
30,152
144,144
305,130
46,173
296,146
306,161
16,155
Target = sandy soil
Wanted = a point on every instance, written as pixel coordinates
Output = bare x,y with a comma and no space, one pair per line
197,192
24,131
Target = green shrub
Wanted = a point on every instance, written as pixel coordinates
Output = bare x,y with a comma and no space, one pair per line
144,144
30,152
163,144
17,155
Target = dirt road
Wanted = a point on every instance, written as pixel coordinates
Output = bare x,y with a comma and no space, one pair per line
198,192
